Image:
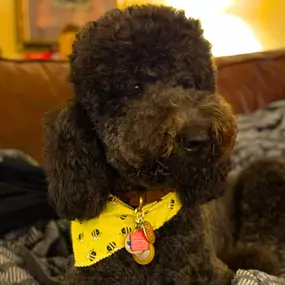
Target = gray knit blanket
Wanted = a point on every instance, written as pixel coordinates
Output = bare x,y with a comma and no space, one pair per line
36,255
254,277
41,254
260,134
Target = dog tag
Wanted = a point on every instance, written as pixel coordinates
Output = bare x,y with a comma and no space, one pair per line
148,231
128,246
138,241
146,257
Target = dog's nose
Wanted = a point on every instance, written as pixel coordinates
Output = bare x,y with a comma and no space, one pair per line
194,138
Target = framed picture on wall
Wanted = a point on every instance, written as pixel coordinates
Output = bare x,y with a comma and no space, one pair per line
40,22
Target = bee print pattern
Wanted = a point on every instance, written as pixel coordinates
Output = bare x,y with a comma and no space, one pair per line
123,217
112,200
171,204
91,255
126,230
80,237
95,234
111,247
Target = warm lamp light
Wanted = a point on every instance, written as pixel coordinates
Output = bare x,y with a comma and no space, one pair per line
228,34
200,8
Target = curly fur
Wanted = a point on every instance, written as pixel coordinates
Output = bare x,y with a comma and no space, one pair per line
262,194
145,114
252,256
260,216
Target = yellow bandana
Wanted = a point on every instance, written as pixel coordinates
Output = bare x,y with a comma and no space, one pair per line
100,237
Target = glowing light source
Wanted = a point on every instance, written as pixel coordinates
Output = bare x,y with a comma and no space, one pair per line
200,8
228,34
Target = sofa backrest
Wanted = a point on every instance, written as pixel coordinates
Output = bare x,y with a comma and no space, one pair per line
249,82
28,89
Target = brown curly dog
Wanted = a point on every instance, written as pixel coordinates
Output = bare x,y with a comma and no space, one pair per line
145,117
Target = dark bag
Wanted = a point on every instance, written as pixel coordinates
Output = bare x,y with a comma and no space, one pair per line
23,194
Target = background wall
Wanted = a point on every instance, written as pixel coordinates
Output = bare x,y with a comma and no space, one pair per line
265,17
7,29
8,43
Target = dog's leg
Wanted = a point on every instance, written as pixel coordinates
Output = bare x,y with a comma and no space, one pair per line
225,274
260,192
218,220
253,256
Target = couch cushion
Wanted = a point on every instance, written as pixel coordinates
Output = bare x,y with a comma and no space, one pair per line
27,91
251,81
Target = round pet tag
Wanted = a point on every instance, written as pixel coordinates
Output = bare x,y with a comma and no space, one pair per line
128,246
145,257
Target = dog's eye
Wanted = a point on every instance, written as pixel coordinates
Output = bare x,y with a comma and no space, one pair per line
186,83
138,87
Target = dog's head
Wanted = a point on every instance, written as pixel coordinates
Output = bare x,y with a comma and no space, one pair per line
145,85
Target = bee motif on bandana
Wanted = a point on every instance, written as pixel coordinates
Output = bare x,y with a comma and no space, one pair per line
112,247
171,204
91,255
112,200
126,230
95,234
80,237
123,217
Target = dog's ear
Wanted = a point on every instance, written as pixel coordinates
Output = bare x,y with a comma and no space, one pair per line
78,174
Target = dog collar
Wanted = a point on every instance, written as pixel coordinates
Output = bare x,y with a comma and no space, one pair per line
132,198
98,238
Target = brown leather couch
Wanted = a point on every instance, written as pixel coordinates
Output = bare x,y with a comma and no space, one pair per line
29,89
